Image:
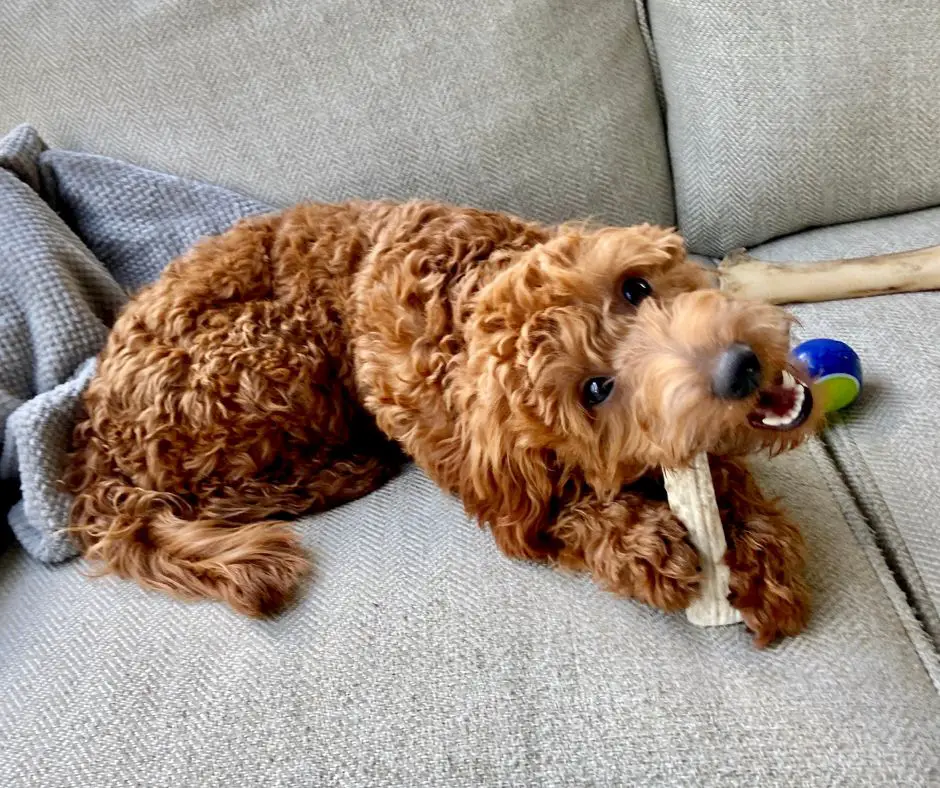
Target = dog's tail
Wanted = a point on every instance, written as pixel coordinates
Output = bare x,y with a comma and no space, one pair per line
156,539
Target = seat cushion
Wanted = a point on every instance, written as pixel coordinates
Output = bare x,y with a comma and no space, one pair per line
544,109
788,114
419,655
886,445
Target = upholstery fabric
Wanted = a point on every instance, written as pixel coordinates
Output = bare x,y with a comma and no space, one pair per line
420,656
886,445
789,114
60,288
539,107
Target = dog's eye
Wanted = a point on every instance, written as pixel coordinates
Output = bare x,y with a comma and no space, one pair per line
596,390
636,289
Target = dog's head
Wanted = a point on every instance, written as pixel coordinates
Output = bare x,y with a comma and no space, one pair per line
598,355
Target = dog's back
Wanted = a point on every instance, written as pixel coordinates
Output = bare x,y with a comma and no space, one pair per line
228,392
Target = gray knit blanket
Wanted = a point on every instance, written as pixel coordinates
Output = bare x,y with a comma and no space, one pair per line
78,233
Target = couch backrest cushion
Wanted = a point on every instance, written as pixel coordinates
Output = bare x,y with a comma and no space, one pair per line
545,109
786,114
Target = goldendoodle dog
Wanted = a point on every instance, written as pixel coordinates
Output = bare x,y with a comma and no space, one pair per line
542,374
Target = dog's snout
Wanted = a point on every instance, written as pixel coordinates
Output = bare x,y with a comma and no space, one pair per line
737,372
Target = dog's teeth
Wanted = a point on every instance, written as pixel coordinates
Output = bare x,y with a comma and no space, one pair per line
791,415
799,396
797,403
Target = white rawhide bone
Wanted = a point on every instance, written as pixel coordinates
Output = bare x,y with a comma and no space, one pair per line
692,497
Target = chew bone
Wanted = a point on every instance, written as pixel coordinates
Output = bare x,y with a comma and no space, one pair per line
692,497
742,276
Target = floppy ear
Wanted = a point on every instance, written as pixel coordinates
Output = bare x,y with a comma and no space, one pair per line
506,483
508,477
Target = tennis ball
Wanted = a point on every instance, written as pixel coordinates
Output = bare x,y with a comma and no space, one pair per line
836,371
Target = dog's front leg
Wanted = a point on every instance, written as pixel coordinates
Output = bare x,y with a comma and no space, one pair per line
765,555
632,546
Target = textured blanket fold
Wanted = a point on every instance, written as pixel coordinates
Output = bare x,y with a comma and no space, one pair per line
78,232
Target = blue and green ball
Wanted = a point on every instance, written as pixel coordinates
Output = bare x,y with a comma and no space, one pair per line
836,371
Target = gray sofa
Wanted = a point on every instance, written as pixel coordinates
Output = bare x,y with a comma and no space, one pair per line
419,655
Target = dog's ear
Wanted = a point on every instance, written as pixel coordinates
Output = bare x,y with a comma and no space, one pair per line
508,476
505,482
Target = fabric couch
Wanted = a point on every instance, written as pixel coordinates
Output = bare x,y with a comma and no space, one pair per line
419,655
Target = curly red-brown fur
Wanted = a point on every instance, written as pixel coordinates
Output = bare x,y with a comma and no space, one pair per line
765,555
289,364
633,546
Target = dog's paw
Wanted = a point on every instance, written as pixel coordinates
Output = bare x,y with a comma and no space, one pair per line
770,610
265,577
767,585
676,583
657,563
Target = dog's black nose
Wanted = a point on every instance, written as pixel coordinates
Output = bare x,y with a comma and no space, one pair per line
737,373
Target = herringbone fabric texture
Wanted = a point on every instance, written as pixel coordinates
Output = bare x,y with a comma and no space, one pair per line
546,109
887,445
60,288
419,656
788,114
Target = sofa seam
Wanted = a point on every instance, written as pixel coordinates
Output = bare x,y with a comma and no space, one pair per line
646,32
641,15
886,535
899,597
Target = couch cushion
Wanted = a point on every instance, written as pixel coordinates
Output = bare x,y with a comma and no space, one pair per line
420,656
786,114
886,445
545,109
